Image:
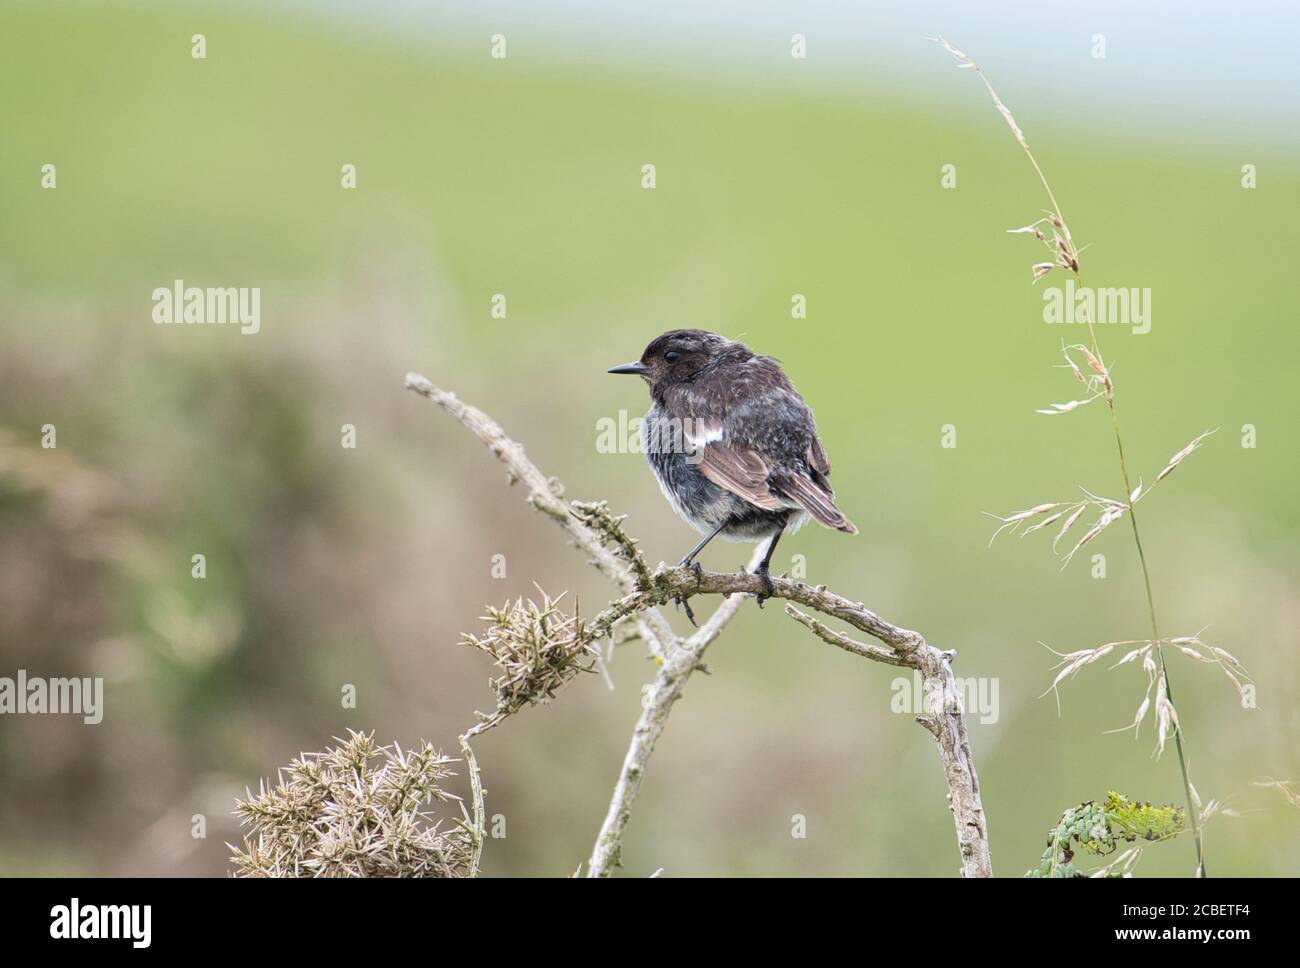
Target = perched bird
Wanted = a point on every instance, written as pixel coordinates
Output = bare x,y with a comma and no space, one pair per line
732,443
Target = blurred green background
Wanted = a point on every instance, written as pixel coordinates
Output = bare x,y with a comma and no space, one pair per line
477,176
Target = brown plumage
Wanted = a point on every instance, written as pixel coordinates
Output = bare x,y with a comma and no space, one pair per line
731,441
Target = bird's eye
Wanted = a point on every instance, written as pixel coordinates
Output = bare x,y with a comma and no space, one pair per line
672,356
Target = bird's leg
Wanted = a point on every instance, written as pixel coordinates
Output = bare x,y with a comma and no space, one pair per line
762,570
690,561
690,556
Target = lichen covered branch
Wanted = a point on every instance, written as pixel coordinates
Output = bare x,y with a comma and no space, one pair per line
944,718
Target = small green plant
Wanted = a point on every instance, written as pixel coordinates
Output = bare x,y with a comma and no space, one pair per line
1099,828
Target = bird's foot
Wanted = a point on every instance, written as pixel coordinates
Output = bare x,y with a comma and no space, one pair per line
768,588
682,603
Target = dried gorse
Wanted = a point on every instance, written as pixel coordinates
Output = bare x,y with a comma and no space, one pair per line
355,810
536,647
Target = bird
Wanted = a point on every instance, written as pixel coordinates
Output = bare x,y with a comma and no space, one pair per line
733,444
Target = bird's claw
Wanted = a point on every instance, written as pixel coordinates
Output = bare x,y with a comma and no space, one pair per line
696,568
769,589
682,603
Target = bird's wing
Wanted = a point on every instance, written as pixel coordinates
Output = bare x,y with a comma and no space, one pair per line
813,498
740,470
817,458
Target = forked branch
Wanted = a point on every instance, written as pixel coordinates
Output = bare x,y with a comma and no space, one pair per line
615,555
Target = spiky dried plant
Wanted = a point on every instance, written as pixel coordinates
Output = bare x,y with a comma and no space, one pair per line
1053,232
536,647
356,810
361,810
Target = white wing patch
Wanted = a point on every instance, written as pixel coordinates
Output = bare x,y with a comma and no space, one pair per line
701,433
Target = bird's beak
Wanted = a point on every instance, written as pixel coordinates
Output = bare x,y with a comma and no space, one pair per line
638,368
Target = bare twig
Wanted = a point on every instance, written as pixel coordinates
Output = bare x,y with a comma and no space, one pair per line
545,494
475,821
864,649
656,702
595,530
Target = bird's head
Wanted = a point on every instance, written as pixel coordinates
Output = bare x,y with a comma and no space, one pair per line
680,356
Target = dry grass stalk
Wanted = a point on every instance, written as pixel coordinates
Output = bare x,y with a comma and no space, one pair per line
1109,510
1053,232
1144,652
1285,787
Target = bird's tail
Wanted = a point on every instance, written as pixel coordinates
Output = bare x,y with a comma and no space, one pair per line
817,502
